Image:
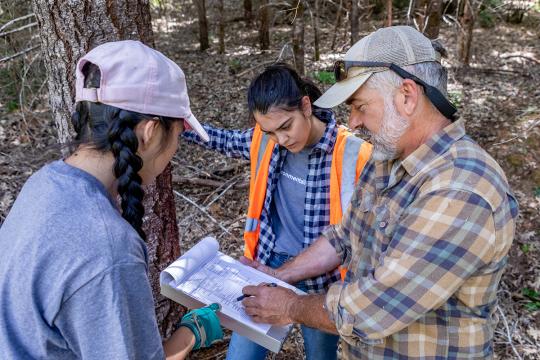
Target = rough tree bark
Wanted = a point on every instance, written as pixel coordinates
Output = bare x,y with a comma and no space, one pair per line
69,29
203,24
298,35
264,25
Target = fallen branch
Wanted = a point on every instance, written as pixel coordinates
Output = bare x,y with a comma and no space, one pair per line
20,53
231,223
228,185
517,136
489,71
207,182
508,334
18,29
283,48
521,57
6,25
253,68
36,94
201,209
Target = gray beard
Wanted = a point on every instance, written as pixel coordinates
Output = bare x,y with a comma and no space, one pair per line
382,149
385,143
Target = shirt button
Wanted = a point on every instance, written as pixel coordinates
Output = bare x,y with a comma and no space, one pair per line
382,224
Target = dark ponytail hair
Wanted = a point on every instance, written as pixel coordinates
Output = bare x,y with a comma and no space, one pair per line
107,128
279,85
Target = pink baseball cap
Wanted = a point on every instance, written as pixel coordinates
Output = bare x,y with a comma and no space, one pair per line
138,78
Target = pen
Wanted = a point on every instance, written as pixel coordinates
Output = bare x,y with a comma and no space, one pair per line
240,298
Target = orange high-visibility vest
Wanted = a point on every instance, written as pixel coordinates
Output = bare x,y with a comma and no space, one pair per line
348,159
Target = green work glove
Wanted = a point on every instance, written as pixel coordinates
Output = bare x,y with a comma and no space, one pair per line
204,324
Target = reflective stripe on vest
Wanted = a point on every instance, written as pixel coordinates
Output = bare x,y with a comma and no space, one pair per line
349,156
261,149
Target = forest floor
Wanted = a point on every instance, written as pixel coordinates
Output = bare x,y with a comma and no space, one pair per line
498,96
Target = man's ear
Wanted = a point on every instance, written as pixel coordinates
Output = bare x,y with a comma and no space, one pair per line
306,106
147,132
408,97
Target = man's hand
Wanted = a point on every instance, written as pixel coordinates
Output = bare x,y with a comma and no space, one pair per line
272,305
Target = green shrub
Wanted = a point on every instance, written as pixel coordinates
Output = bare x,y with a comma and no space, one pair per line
325,77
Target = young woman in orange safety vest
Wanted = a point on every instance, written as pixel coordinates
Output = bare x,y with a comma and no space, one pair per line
303,172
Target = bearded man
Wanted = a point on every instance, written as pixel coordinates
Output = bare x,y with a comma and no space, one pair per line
426,237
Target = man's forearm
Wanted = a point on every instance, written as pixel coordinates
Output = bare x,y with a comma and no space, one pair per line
318,259
309,311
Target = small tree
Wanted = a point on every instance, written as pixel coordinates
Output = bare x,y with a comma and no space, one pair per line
264,25
337,24
248,11
317,52
221,27
203,24
467,14
388,12
354,22
298,35
428,14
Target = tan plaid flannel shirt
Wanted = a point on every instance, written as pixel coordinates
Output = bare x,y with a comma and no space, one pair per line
425,241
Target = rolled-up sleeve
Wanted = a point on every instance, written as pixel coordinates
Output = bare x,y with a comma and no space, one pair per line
440,241
338,235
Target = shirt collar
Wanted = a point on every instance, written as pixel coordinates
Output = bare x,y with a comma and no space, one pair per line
434,147
327,141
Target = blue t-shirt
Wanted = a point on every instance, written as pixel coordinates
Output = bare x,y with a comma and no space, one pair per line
73,274
287,209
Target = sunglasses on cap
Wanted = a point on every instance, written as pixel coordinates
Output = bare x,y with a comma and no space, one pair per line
442,104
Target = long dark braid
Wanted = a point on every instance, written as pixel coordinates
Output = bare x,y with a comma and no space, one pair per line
124,144
107,128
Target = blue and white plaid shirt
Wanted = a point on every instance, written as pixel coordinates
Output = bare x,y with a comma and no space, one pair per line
237,143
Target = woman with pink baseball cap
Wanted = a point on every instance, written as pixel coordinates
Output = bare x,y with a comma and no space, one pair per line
73,265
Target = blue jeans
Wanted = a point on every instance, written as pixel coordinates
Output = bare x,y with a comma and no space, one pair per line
318,345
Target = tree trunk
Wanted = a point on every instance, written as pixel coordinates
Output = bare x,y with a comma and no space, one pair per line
388,12
317,55
429,11
221,27
434,12
163,245
203,24
336,25
354,22
69,29
248,11
298,36
466,21
264,28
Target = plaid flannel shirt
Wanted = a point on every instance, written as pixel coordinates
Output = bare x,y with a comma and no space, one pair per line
425,241
237,143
